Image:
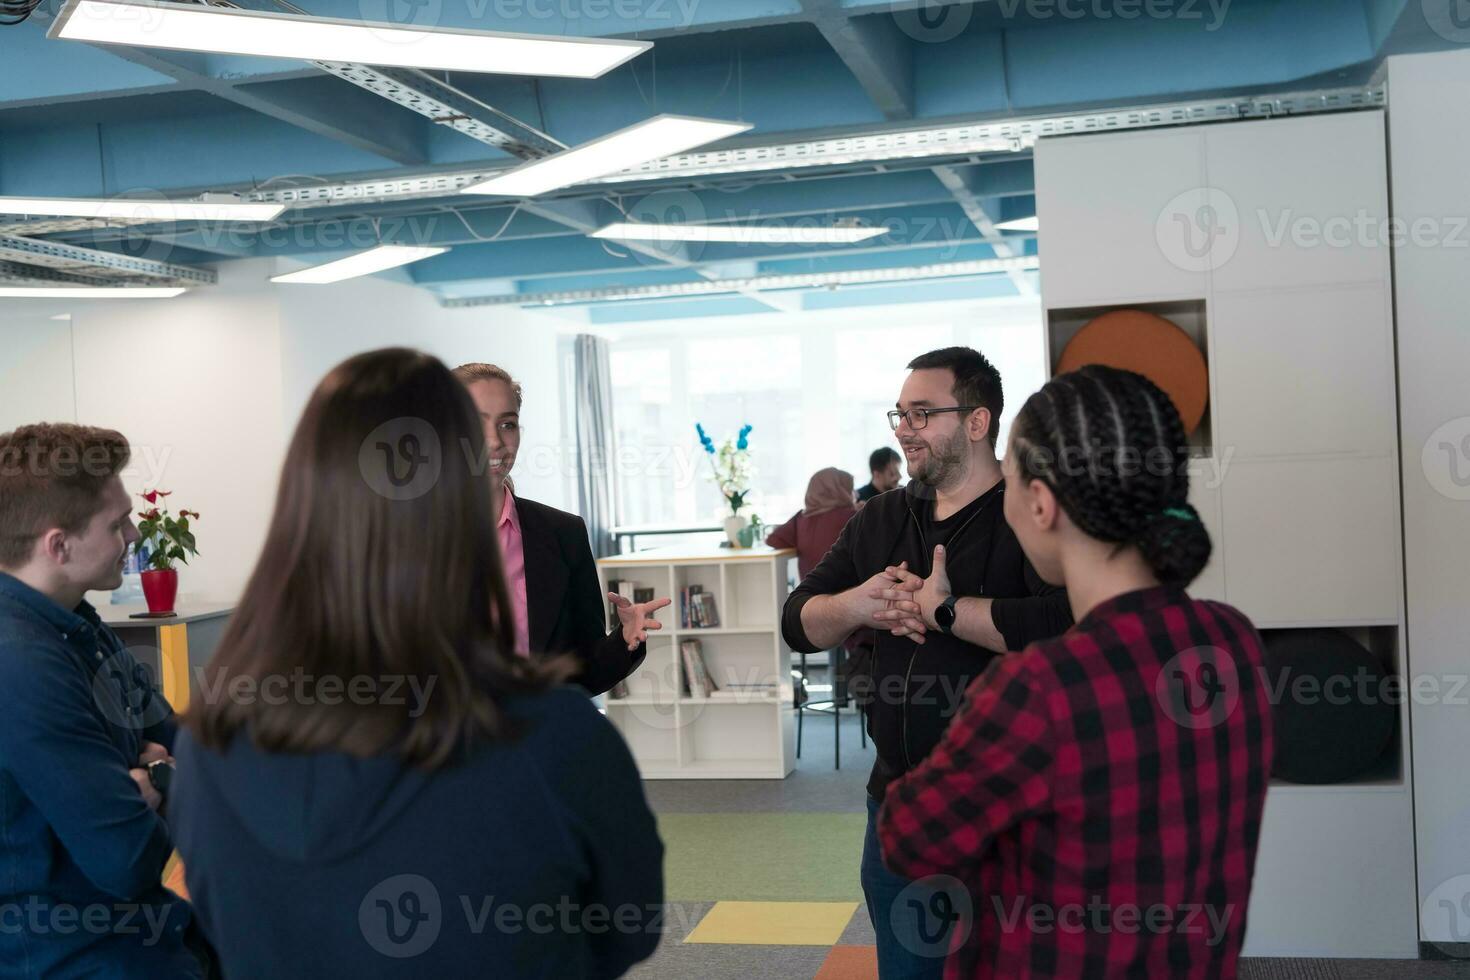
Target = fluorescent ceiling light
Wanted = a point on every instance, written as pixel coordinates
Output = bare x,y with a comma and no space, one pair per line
181,27
90,292
139,210
772,234
1019,224
651,139
362,264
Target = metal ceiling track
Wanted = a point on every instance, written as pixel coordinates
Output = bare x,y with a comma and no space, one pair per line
936,142
18,274
438,101
850,277
447,106
76,260
57,226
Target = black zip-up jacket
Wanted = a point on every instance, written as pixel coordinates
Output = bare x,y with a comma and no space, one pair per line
909,691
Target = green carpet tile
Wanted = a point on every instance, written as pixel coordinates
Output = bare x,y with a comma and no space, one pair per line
762,857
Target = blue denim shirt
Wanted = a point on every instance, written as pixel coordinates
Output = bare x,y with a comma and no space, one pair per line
81,854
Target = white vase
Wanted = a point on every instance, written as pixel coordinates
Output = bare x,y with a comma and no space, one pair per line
733,524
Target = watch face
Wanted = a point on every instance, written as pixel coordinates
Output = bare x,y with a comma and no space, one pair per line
944,615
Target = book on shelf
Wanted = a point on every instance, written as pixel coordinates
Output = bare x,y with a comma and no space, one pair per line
744,694
630,590
696,672
697,608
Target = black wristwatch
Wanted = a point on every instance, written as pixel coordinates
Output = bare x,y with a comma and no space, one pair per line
161,775
944,614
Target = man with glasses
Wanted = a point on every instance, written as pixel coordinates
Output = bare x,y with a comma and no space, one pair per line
938,574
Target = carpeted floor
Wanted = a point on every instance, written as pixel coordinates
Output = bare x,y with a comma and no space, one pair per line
762,879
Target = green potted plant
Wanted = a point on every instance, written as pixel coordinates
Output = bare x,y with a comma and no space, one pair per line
168,540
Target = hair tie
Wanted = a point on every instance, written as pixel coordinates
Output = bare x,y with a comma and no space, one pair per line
1179,512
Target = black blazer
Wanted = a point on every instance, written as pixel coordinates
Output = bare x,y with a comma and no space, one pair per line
564,602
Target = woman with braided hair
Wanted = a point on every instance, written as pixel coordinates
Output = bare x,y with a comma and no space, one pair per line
1095,806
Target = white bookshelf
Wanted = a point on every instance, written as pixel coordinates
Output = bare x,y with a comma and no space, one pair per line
676,736
1295,463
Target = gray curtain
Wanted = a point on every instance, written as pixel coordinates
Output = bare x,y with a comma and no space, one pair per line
594,441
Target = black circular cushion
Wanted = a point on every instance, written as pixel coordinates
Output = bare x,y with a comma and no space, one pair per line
1337,723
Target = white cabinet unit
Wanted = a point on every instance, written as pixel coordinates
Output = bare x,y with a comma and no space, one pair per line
1311,199
1295,474
1431,192
1312,542
1327,348
1099,201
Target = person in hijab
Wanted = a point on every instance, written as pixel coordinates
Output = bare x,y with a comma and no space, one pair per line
813,529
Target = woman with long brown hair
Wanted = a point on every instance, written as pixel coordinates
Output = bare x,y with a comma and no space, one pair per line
372,782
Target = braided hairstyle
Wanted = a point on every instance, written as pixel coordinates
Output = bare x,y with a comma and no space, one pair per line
1110,445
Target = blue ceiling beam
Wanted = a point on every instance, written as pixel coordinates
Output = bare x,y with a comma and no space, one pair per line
843,297
32,76
640,277
325,106
749,84
1382,16
656,276
872,199
1404,26
1220,47
722,304
1004,178
233,148
879,55
924,291
931,255
922,231
517,260
790,198
183,247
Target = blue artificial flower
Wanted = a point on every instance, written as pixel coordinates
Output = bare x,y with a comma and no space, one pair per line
741,443
705,440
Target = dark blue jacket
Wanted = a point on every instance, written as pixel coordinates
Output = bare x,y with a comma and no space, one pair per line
532,858
81,854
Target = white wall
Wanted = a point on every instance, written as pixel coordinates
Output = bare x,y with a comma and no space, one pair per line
195,385
1430,159
208,387
323,326
35,371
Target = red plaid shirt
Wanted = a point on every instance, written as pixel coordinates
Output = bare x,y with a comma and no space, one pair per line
1098,798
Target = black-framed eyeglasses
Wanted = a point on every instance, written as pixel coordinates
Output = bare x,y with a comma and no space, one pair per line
919,417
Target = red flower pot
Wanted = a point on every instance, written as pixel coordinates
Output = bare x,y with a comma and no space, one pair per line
160,588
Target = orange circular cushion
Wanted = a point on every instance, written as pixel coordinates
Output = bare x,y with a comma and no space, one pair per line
1151,346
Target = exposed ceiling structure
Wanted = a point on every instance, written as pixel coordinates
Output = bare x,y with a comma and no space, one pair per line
917,118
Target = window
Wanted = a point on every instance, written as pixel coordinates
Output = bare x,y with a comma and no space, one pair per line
647,488
816,393
734,382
